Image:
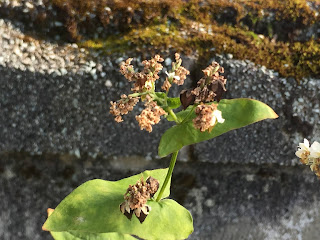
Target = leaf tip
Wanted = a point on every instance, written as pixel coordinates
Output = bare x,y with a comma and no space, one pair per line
274,114
49,212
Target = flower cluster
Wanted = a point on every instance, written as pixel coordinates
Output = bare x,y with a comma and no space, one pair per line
310,155
207,117
177,75
143,81
123,106
150,116
136,198
143,87
209,88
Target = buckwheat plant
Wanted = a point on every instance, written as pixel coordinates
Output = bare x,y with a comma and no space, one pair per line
138,206
310,155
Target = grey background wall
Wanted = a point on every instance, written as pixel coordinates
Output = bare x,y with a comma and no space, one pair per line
56,133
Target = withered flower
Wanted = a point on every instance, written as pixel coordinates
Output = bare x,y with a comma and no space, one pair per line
127,70
209,88
187,98
136,198
143,81
207,117
150,116
166,85
123,106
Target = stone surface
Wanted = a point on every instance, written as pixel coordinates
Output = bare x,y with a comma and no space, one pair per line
60,114
56,133
227,201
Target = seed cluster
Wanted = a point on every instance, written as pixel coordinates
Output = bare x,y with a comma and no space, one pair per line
123,106
136,198
178,74
207,117
209,88
150,116
143,81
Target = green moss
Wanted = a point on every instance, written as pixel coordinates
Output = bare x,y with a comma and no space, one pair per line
289,59
234,30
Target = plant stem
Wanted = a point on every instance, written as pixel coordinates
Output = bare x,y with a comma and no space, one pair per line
169,174
173,115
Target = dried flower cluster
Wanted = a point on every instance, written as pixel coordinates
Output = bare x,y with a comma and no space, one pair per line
143,81
136,198
207,117
143,84
209,88
177,76
150,116
144,88
310,155
123,106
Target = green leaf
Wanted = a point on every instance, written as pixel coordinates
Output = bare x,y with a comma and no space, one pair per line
93,207
236,112
174,103
183,115
74,235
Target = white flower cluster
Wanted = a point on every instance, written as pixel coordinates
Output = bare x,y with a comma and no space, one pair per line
310,155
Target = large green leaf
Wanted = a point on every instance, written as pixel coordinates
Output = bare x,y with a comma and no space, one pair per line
74,235
77,235
236,112
94,208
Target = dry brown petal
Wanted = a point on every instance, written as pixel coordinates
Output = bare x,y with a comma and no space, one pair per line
150,116
166,85
153,185
136,198
204,113
123,106
186,98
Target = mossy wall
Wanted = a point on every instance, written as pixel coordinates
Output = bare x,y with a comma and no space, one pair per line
282,35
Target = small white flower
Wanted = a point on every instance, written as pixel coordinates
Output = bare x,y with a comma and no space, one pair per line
304,148
315,150
172,76
148,84
216,117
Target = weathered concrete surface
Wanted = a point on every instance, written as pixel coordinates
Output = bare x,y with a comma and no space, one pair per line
241,185
59,114
227,201
43,113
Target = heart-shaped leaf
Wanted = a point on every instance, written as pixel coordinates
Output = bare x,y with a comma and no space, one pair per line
236,112
76,235
93,207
